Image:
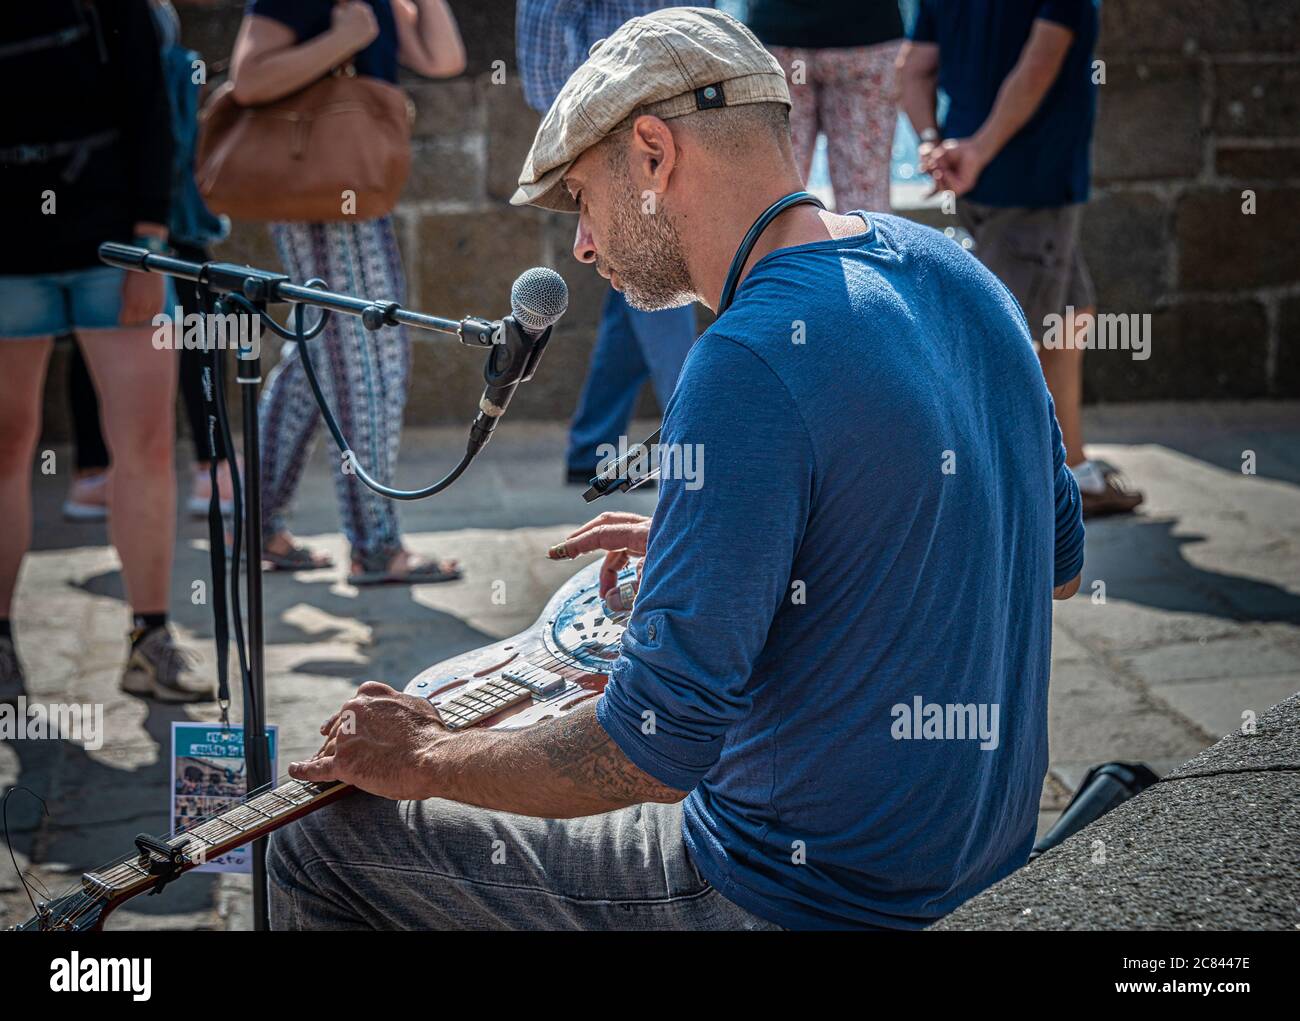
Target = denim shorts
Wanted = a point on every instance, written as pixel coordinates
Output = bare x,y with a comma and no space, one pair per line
50,304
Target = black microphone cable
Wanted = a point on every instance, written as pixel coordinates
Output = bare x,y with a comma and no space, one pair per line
224,595
300,335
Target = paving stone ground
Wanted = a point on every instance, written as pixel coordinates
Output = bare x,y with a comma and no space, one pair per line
1188,624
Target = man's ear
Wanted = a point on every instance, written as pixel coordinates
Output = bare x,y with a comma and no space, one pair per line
652,153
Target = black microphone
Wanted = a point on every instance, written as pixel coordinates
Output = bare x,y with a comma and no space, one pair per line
537,300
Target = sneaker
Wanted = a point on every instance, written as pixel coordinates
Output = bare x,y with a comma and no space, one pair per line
158,668
201,491
1116,497
12,682
87,498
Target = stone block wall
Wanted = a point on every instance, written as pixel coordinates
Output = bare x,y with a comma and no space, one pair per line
1200,108
1201,104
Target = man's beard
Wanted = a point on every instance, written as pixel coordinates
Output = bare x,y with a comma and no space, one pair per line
646,252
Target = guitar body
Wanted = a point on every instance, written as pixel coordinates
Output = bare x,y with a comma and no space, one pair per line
575,636
560,662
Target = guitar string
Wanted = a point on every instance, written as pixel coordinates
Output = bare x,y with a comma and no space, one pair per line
86,901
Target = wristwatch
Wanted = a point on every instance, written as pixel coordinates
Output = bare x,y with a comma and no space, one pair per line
931,135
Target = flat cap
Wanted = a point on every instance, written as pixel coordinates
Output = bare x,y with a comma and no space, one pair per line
669,63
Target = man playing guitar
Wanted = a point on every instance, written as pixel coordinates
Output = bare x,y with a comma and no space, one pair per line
829,708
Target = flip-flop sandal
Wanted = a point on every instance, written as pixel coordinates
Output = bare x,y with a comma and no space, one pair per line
298,558
427,573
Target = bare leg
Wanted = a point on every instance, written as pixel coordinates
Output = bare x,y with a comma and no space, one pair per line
1063,370
137,396
22,387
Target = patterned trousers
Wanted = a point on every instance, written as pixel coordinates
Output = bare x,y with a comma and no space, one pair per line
848,93
362,374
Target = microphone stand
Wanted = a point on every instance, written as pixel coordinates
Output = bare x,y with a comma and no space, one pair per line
257,752
250,290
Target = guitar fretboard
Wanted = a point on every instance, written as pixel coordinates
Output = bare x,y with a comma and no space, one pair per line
518,683
249,819
471,707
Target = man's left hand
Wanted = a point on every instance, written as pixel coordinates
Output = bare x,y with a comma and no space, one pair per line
380,741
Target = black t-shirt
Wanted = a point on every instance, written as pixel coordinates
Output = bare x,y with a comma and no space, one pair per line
85,140
821,24
310,18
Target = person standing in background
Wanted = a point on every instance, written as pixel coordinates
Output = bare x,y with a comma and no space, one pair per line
192,228
838,56
284,46
1015,150
552,38
86,157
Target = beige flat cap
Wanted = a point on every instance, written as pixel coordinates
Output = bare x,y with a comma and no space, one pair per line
669,63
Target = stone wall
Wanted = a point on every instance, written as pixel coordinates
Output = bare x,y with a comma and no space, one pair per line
1200,105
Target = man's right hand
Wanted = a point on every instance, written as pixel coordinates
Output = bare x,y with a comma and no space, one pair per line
1069,588
354,20
622,534
955,164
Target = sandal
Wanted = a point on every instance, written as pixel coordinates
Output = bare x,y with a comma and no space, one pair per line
373,569
297,558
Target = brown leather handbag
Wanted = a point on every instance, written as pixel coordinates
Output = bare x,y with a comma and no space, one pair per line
338,150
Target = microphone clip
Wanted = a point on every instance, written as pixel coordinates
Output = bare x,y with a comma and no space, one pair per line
512,360
514,354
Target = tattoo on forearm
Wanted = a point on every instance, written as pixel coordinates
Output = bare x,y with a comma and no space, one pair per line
579,749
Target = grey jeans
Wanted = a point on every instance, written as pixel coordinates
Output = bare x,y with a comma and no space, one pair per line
369,863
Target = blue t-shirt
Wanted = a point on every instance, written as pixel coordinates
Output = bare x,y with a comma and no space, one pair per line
883,512
310,18
1047,162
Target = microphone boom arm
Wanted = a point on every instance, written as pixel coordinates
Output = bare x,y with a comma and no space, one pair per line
513,356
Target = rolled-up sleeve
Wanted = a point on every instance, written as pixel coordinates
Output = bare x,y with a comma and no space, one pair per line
1069,510
718,564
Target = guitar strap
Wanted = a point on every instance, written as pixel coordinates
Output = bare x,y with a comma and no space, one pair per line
622,475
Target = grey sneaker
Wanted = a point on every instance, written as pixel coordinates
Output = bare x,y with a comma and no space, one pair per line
12,682
157,668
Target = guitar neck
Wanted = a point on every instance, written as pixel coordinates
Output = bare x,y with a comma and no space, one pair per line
263,812
250,819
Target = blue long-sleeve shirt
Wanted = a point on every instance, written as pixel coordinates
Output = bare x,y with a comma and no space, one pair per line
883,512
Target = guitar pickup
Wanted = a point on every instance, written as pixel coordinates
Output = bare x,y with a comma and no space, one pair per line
540,682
